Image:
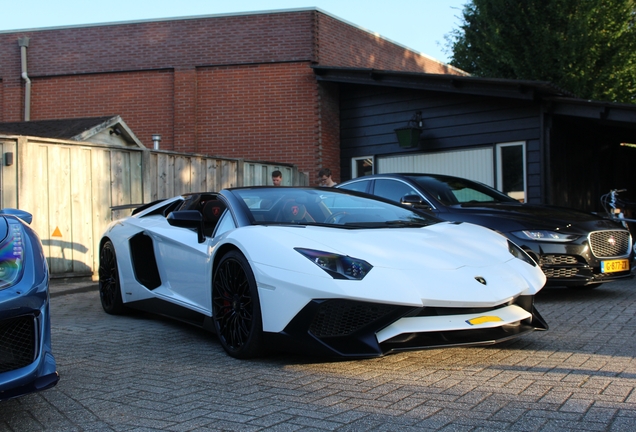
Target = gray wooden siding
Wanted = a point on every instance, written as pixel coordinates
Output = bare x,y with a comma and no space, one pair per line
369,116
474,164
74,190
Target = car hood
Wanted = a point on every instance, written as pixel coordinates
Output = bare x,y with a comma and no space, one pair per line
508,217
444,246
437,265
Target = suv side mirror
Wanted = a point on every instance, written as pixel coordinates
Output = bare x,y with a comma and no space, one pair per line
188,219
415,201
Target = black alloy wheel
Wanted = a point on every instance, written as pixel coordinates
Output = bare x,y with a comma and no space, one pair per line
109,288
236,307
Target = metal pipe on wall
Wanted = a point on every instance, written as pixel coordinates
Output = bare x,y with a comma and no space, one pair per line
23,42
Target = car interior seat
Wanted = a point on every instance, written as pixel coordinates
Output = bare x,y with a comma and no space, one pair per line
212,211
295,212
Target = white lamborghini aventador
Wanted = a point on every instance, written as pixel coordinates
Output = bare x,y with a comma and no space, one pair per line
318,270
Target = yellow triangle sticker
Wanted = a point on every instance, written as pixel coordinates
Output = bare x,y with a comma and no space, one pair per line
57,233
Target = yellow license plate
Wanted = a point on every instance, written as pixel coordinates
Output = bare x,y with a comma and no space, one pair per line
613,266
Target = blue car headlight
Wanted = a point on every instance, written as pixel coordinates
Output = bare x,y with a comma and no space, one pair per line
517,252
545,235
337,266
11,256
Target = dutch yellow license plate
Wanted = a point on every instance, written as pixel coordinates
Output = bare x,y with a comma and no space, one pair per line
613,266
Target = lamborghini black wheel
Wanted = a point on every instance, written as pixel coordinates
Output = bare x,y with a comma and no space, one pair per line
236,307
109,288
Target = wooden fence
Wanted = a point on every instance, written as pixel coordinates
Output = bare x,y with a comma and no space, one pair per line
72,187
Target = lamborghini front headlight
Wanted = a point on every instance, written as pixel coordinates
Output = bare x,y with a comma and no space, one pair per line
338,266
517,252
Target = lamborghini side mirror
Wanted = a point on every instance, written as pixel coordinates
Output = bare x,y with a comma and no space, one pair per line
191,219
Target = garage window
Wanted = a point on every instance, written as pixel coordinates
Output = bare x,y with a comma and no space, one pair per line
511,169
361,166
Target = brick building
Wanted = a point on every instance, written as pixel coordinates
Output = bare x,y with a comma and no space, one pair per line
236,85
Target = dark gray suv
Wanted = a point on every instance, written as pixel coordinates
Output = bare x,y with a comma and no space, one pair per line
574,248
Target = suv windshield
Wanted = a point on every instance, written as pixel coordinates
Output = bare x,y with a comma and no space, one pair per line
331,207
453,190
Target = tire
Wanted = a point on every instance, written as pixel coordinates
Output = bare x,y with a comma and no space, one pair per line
109,287
236,308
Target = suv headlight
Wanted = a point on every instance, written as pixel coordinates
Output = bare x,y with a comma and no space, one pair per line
544,235
11,255
337,266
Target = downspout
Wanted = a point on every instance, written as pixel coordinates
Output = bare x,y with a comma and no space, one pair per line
23,42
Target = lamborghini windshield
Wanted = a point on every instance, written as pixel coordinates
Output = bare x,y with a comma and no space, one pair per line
322,206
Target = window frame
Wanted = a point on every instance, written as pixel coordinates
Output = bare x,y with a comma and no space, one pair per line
354,165
500,168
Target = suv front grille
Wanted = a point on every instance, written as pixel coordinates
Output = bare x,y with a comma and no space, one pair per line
17,343
547,260
607,244
563,272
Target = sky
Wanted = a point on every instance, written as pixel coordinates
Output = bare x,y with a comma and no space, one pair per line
417,24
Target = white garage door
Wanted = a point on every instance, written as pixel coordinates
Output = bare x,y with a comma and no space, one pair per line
474,164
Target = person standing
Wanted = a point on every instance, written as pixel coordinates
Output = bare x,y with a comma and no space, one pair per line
277,178
324,176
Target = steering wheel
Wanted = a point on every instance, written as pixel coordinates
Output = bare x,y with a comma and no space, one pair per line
332,217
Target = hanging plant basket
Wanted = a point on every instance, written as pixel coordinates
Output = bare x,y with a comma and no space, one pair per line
408,137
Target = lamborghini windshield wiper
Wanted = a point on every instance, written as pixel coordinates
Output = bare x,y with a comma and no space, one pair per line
389,224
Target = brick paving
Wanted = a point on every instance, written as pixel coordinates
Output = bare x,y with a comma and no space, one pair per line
145,373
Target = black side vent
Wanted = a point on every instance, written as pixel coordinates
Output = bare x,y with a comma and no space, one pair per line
144,262
344,317
17,343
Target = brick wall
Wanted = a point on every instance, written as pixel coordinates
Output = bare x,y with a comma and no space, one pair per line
185,112
177,43
265,112
228,86
12,101
329,144
143,99
342,44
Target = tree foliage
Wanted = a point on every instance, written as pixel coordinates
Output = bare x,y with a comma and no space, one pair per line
587,47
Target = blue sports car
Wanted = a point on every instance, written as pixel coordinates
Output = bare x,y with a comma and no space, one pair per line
26,362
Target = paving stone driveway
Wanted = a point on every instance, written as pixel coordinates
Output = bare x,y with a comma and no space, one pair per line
143,373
